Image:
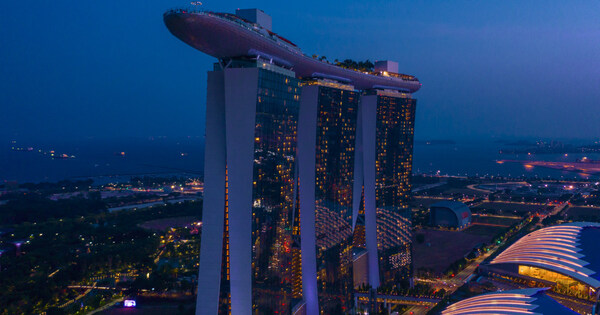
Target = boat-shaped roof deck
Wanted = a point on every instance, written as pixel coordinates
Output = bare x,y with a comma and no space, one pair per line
225,35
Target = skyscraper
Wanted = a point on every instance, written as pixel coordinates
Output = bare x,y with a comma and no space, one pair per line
394,147
326,141
382,178
297,151
247,240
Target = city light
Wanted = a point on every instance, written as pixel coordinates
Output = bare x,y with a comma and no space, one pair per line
129,303
301,194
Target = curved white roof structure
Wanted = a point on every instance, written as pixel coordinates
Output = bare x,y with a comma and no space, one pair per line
554,248
525,301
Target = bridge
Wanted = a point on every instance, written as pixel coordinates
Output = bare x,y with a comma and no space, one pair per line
388,300
94,287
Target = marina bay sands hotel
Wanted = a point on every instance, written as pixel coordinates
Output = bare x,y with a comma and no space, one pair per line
307,172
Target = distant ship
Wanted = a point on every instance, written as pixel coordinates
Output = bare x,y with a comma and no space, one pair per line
586,160
28,149
62,157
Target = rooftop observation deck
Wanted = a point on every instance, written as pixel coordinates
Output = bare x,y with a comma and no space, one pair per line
226,36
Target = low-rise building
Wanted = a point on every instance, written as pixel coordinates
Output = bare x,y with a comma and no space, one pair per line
564,258
524,301
451,214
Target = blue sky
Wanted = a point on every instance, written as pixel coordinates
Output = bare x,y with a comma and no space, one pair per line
490,69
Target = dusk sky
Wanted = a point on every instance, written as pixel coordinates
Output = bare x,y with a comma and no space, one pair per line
106,69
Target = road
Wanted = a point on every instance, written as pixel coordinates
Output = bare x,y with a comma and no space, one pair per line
472,187
428,186
162,251
497,216
452,284
107,306
559,208
79,296
95,287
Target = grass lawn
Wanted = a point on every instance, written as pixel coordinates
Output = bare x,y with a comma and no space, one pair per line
488,232
441,248
510,208
583,213
494,220
164,224
426,202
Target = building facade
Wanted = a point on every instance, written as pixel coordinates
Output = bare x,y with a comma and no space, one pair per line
287,225
394,149
450,214
307,172
249,225
326,143
382,184
509,302
563,258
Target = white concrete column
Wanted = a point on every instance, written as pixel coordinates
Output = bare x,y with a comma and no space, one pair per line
358,168
211,251
307,141
241,88
368,105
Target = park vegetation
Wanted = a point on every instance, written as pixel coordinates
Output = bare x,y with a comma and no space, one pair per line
77,243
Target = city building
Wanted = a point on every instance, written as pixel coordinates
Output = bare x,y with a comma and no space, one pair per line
326,142
307,171
450,214
523,301
249,226
563,257
383,168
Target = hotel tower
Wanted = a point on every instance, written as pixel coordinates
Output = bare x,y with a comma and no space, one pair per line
307,172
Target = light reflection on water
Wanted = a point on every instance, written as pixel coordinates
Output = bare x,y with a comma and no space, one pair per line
185,157
95,158
481,159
